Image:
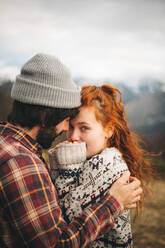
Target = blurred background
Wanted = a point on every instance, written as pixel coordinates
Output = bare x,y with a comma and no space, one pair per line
119,42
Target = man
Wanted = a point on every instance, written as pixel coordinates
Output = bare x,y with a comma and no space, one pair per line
44,98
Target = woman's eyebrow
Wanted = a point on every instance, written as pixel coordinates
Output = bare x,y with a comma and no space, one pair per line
83,123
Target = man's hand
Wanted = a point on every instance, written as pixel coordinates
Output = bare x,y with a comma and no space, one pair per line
126,193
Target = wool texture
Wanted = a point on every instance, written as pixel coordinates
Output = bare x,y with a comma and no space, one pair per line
46,81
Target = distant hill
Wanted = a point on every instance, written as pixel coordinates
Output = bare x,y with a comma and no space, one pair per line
147,118
5,99
147,113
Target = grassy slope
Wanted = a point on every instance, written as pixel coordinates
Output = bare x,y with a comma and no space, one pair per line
149,227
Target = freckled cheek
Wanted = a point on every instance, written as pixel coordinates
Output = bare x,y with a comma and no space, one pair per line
89,139
91,144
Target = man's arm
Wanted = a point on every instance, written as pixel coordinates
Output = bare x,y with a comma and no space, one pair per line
30,202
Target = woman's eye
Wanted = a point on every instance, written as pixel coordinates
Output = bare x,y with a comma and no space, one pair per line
84,128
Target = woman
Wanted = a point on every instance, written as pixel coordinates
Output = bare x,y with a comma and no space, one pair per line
101,147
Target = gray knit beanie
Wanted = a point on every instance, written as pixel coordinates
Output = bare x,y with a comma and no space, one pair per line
44,80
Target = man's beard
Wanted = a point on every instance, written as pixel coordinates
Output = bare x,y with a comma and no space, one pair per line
46,136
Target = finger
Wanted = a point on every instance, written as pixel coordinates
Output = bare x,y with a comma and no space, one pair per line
138,192
134,179
131,178
136,199
133,205
124,178
135,184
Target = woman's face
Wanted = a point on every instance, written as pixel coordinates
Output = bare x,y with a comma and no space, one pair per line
85,127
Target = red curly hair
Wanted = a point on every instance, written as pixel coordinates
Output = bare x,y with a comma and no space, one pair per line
110,111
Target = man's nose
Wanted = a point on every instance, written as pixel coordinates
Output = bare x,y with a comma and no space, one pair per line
66,126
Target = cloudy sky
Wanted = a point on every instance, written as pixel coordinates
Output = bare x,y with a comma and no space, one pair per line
122,40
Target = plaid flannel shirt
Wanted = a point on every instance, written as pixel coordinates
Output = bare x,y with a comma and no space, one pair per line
30,215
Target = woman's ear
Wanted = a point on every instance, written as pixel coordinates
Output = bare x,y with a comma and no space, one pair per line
110,132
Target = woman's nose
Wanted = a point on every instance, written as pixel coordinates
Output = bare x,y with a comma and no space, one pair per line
74,136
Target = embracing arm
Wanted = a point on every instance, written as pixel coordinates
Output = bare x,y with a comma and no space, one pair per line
30,203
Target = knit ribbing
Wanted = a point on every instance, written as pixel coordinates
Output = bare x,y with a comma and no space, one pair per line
68,154
44,80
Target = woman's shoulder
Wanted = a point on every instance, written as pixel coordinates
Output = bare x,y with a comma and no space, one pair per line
109,160
113,156
111,152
